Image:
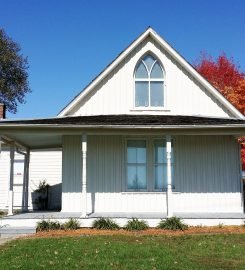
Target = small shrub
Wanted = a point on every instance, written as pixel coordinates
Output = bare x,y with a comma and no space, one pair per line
136,225
173,224
42,199
71,224
2,213
42,226
105,224
221,225
47,225
54,225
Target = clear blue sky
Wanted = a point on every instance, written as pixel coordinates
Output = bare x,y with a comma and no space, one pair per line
69,42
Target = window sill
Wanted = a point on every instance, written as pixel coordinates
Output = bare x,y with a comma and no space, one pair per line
148,192
150,109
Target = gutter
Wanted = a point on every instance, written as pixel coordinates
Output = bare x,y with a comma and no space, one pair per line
56,126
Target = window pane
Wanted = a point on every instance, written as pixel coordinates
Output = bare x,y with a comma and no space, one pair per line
165,179
141,173
172,175
149,60
141,94
156,71
156,94
132,176
132,154
136,143
160,151
136,171
141,154
136,176
141,71
136,151
159,176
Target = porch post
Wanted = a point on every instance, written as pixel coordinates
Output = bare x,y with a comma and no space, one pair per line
84,175
11,181
169,178
26,181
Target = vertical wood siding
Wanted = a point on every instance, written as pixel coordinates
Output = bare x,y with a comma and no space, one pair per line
115,94
71,173
206,177
207,173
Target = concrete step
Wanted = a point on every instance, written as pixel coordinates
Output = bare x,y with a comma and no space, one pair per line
7,231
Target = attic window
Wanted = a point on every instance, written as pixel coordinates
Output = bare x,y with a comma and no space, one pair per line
149,83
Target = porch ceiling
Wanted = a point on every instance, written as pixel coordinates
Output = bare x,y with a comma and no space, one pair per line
35,140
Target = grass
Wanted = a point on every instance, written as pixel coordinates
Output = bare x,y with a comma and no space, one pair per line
224,251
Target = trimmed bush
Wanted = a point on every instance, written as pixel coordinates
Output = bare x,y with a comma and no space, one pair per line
2,213
71,224
47,225
136,225
105,224
173,224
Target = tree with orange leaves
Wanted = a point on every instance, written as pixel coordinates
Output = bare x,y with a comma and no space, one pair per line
225,75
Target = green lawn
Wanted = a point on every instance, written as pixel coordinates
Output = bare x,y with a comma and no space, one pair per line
126,252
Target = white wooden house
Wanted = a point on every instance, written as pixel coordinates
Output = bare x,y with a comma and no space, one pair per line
149,137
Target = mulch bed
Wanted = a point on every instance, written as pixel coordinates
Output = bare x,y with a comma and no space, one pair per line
152,231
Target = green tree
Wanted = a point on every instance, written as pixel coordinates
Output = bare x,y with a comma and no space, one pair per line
13,73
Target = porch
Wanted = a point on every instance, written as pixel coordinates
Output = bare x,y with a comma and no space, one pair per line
205,180
30,219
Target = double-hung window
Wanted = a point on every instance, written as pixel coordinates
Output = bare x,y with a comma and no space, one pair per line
149,83
160,165
136,165
146,164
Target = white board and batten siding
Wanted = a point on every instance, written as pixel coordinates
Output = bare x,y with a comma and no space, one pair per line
206,175
72,174
183,94
44,165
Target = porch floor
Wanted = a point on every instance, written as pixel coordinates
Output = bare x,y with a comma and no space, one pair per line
143,215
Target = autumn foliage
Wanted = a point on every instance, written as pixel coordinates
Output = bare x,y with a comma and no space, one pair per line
225,75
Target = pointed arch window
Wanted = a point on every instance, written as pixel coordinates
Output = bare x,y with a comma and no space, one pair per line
149,83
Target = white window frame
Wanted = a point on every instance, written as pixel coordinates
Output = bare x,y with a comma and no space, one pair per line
126,164
164,163
150,164
149,80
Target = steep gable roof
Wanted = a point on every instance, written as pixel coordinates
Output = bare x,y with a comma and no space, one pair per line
178,58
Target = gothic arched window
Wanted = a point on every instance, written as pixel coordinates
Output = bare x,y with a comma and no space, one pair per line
149,83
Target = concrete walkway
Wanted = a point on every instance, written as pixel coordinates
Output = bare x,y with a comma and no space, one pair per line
5,240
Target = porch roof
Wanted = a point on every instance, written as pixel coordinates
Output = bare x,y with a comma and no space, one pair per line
127,120
48,132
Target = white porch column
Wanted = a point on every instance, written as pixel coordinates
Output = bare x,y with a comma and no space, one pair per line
11,181
84,175
169,178
26,181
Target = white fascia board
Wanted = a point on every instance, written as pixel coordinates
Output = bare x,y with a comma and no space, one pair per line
57,126
175,55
